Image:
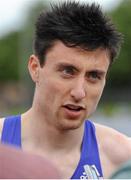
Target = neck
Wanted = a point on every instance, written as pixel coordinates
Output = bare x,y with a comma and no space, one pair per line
39,133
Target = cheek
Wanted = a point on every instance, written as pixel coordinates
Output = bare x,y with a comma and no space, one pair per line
54,87
96,95
53,91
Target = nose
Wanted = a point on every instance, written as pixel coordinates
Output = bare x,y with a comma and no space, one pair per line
78,90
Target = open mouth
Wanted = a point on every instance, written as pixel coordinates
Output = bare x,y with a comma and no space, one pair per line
73,107
73,111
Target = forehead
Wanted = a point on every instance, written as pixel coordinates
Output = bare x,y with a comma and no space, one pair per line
60,53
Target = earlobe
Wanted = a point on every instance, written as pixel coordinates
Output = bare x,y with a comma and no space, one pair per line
33,67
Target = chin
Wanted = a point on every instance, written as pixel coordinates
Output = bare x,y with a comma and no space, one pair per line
68,124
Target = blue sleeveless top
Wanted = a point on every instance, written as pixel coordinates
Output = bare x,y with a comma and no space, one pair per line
88,167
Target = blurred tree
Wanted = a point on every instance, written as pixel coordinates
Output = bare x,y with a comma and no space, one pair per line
27,35
15,49
9,57
121,69
26,43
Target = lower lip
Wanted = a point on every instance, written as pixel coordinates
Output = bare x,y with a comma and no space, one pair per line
72,114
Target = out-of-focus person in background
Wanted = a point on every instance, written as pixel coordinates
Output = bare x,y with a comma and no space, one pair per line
123,172
17,164
74,47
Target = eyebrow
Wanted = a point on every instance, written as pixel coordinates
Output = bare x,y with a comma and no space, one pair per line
98,71
63,65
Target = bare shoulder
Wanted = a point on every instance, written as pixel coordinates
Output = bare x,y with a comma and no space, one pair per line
117,146
1,125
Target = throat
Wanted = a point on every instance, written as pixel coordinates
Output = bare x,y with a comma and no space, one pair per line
53,141
42,136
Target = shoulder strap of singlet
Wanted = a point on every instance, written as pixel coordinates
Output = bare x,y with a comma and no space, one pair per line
11,133
89,154
90,146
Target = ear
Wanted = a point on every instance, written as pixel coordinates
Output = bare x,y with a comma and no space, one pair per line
33,67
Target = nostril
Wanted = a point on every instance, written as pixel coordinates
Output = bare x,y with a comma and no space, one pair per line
78,94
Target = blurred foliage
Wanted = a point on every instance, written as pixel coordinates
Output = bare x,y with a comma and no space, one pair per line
27,35
121,69
9,57
109,109
16,47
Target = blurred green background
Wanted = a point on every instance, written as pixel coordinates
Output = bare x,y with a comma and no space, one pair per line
16,87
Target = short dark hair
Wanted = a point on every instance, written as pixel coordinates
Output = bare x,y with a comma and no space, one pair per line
76,25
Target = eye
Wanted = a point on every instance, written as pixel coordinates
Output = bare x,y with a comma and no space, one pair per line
69,70
94,76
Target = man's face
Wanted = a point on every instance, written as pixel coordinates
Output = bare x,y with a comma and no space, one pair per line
70,85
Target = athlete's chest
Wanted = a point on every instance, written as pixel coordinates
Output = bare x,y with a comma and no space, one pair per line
73,167
67,164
